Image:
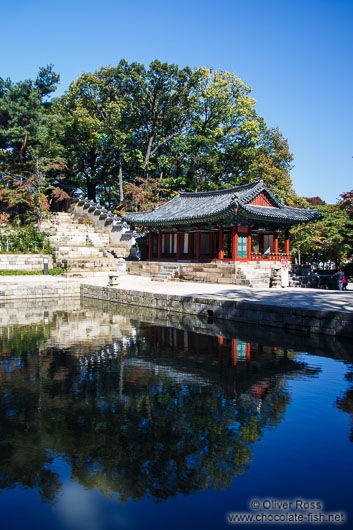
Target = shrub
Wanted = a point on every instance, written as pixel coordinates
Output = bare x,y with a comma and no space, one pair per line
24,240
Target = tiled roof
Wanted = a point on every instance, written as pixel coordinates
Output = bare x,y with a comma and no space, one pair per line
187,208
285,213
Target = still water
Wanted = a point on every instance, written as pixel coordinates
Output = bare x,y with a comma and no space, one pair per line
120,418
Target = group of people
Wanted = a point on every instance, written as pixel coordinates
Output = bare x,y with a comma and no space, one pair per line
342,280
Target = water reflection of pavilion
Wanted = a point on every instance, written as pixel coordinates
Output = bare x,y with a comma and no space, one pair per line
141,410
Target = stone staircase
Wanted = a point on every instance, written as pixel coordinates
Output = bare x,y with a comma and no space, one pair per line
77,246
167,272
253,274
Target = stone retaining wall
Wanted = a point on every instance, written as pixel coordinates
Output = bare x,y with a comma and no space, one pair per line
196,272
289,319
252,274
60,289
24,262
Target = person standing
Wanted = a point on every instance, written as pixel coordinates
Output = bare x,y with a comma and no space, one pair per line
344,282
339,275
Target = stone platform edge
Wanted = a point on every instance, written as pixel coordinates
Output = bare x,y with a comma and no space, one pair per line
290,319
10,292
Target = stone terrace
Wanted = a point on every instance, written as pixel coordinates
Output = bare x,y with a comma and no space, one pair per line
248,274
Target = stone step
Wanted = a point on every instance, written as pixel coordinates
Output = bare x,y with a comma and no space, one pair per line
72,265
69,242
80,248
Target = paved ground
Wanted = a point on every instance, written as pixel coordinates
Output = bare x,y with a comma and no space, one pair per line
300,298
305,298
101,279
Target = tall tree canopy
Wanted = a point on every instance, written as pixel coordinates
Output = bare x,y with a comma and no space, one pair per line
329,239
129,126
131,136
30,159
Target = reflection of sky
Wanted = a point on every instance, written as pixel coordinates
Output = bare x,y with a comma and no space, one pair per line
82,509
78,509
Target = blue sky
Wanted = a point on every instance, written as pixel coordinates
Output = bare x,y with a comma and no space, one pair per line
296,55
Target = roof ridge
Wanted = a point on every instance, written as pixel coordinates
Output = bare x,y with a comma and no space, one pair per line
235,189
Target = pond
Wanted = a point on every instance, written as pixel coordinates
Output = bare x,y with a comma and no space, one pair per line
121,418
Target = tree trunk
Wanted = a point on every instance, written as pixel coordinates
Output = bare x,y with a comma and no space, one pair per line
23,147
148,154
90,176
91,190
120,177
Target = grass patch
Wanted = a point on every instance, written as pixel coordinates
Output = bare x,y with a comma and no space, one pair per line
52,272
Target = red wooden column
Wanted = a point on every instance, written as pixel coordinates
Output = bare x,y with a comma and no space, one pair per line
234,352
198,241
235,243
178,246
286,241
150,240
248,250
275,243
159,244
191,245
221,243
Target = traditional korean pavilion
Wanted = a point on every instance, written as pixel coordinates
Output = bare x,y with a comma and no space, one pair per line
245,223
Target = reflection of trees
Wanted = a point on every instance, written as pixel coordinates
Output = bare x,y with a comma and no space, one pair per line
128,429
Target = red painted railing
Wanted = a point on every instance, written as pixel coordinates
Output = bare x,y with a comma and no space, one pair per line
271,256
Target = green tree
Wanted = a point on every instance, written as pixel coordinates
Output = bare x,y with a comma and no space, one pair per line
272,161
328,239
30,159
191,129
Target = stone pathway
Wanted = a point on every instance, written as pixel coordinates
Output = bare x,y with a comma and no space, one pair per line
315,299
290,297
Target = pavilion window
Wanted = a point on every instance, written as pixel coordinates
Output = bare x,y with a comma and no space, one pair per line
255,243
242,250
268,243
184,244
169,243
205,244
194,244
241,350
